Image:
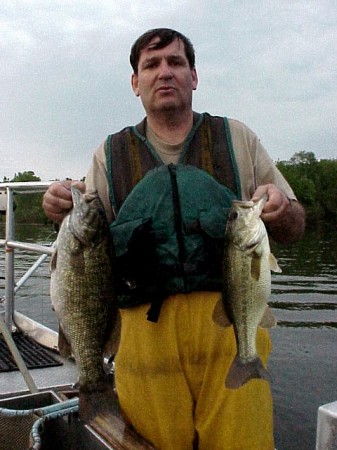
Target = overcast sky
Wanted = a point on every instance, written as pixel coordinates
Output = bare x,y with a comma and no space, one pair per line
65,75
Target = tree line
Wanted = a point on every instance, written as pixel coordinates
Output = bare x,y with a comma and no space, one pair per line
315,185
313,181
28,207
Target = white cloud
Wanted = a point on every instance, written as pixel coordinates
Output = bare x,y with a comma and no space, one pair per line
65,75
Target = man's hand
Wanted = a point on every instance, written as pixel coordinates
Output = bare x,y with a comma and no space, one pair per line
284,218
57,201
277,204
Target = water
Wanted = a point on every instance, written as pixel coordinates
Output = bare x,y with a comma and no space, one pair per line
32,299
303,364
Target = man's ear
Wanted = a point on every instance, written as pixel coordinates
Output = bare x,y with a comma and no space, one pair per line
194,79
134,84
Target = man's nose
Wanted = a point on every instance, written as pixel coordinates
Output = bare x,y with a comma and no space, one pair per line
165,70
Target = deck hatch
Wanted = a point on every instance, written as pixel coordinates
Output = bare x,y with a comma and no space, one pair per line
34,355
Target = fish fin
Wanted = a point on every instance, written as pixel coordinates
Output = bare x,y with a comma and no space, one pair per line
240,373
219,315
268,320
255,267
96,399
273,264
63,344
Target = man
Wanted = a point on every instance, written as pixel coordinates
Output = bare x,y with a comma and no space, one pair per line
166,185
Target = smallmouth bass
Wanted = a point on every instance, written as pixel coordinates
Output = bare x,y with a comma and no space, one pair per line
82,294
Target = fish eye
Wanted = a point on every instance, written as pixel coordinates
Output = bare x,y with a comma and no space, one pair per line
233,215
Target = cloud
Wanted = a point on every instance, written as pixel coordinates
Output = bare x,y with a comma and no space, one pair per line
65,75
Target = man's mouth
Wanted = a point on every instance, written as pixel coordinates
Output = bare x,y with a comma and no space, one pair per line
166,89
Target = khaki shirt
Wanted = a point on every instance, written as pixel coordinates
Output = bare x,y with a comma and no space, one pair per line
254,165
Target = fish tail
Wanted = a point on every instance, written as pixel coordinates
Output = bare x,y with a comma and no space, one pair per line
96,399
241,372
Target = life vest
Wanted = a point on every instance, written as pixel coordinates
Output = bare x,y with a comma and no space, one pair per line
169,230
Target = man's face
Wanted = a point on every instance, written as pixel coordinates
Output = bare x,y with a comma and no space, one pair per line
165,80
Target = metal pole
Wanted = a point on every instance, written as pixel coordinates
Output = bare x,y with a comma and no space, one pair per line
30,272
9,262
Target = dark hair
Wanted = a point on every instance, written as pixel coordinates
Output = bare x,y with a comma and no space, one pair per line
166,36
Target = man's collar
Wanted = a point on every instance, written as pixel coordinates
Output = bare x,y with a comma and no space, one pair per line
141,126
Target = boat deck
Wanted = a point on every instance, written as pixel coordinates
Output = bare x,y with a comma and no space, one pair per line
44,378
108,432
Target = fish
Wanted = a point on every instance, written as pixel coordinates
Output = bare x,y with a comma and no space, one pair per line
82,290
247,266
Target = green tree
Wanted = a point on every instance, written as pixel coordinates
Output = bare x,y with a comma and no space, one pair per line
300,181
28,206
314,183
303,157
25,176
327,187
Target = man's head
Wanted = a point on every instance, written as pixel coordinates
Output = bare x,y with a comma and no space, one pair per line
164,37
164,74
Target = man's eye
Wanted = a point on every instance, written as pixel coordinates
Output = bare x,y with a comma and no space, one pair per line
150,65
176,62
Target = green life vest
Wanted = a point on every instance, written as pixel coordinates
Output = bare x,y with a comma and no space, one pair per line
169,231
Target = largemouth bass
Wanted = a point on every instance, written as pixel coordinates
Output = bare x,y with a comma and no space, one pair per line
82,294
247,285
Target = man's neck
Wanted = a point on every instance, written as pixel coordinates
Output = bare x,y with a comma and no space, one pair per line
171,128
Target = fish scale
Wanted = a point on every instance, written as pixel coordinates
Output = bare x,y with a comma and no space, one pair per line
82,294
247,285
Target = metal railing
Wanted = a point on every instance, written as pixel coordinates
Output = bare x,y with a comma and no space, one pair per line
10,244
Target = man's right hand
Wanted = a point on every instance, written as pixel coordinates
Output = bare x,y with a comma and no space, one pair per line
57,201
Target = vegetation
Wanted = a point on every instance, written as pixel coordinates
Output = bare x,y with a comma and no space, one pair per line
314,183
28,207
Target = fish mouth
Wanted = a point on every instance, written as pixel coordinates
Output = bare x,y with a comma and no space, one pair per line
77,235
243,203
249,203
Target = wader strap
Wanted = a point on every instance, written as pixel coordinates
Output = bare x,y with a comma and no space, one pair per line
233,159
206,159
128,160
134,159
154,310
108,156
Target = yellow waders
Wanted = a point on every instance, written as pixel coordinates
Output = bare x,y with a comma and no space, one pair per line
170,380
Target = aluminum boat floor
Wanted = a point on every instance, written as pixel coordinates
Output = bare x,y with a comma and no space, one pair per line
33,354
48,377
